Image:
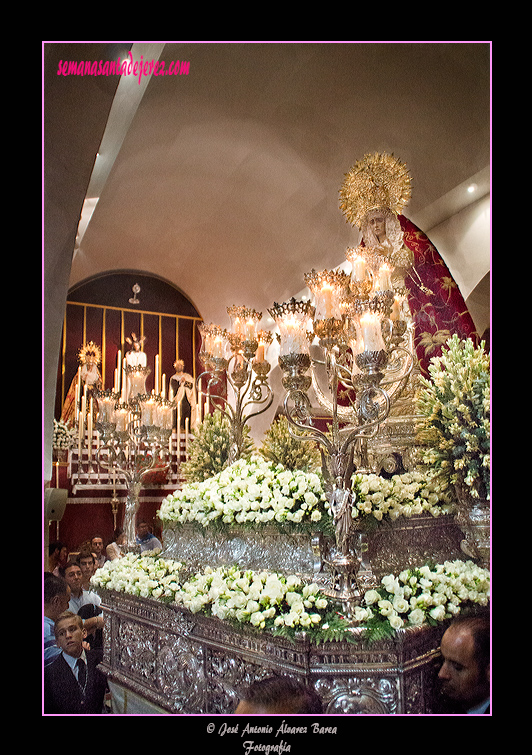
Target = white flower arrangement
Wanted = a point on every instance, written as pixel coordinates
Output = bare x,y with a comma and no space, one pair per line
145,576
254,491
427,595
455,408
408,494
286,604
265,599
63,437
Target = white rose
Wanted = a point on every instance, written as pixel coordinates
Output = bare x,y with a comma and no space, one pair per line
385,607
371,596
438,613
416,617
396,622
400,605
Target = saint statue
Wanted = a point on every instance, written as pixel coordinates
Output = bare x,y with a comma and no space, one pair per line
428,302
136,369
184,391
372,197
87,378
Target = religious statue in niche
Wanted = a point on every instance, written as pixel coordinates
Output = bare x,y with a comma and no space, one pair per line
183,389
86,380
373,195
135,367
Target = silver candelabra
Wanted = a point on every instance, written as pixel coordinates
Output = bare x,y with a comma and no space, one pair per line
135,437
358,323
238,356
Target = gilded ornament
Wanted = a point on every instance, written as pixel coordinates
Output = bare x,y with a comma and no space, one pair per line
376,181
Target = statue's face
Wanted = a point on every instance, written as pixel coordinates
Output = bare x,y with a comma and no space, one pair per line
377,223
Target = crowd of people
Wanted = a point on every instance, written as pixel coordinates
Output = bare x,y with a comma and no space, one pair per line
73,647
73,623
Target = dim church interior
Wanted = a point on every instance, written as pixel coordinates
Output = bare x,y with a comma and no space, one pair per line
220,186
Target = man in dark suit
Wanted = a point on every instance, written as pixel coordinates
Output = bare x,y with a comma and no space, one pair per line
465,671
72,683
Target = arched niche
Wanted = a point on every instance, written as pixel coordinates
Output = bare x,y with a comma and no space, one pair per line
106,310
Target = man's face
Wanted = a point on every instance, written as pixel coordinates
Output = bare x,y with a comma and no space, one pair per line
74,578
462,678
69,636
97,545
87,568
143,529
60,603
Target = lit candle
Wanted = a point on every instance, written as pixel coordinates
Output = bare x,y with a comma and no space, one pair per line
371,332
384,281
250,330
259,357
217,349
76,401
82,417
78,392
358,273
326,293
396,308
123,383
89,428
121,419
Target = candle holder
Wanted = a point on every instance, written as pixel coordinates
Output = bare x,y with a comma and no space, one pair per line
352,319
134,439
236,357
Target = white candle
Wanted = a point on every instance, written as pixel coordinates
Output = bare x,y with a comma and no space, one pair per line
164,386
118,370
259,357
384,281
250,330
358,273
123,384
396,308
217,349
326,293
76,401
157,373
89,428
371,332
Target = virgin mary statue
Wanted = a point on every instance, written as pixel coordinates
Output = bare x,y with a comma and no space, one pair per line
427,298
373,195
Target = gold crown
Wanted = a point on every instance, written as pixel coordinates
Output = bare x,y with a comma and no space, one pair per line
377,181
90,351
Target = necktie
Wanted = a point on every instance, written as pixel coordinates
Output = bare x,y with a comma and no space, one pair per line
82,674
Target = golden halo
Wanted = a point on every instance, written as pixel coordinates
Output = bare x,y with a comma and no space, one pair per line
90,351
376,181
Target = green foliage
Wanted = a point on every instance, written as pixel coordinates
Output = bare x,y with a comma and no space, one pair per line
280,447
209,449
